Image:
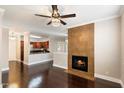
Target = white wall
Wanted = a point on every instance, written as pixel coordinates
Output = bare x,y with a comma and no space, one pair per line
59,55
18,48
5,48
60,59
12,49
0,54
108,47
26,47
53,43
1,59
9,48
122,49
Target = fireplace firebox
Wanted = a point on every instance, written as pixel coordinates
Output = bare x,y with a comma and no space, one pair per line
80,63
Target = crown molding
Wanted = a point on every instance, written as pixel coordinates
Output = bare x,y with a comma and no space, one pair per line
94,21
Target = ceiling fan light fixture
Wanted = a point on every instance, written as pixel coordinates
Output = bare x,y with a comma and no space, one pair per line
56,18
55,22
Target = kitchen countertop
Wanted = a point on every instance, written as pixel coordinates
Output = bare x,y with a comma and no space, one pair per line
39,53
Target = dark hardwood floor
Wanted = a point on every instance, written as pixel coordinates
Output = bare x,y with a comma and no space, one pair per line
45,76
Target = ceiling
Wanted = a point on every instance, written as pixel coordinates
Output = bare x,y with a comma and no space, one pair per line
24,15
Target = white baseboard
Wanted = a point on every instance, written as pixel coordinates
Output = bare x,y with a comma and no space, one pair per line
59,66
97,75
0,85
122,84
116,80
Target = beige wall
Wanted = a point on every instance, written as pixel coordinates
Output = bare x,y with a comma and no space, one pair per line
122,49
1,59
5,48
0,54
107,47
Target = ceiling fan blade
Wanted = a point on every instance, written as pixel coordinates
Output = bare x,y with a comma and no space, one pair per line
54,7
68,15
42,15
63,22
49,23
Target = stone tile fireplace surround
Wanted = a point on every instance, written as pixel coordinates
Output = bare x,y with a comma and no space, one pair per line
81,51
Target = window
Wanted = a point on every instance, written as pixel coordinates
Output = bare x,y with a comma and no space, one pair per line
60,46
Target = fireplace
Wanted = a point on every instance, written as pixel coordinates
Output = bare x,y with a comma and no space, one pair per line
80,63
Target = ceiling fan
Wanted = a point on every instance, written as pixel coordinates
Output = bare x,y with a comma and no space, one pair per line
56,18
